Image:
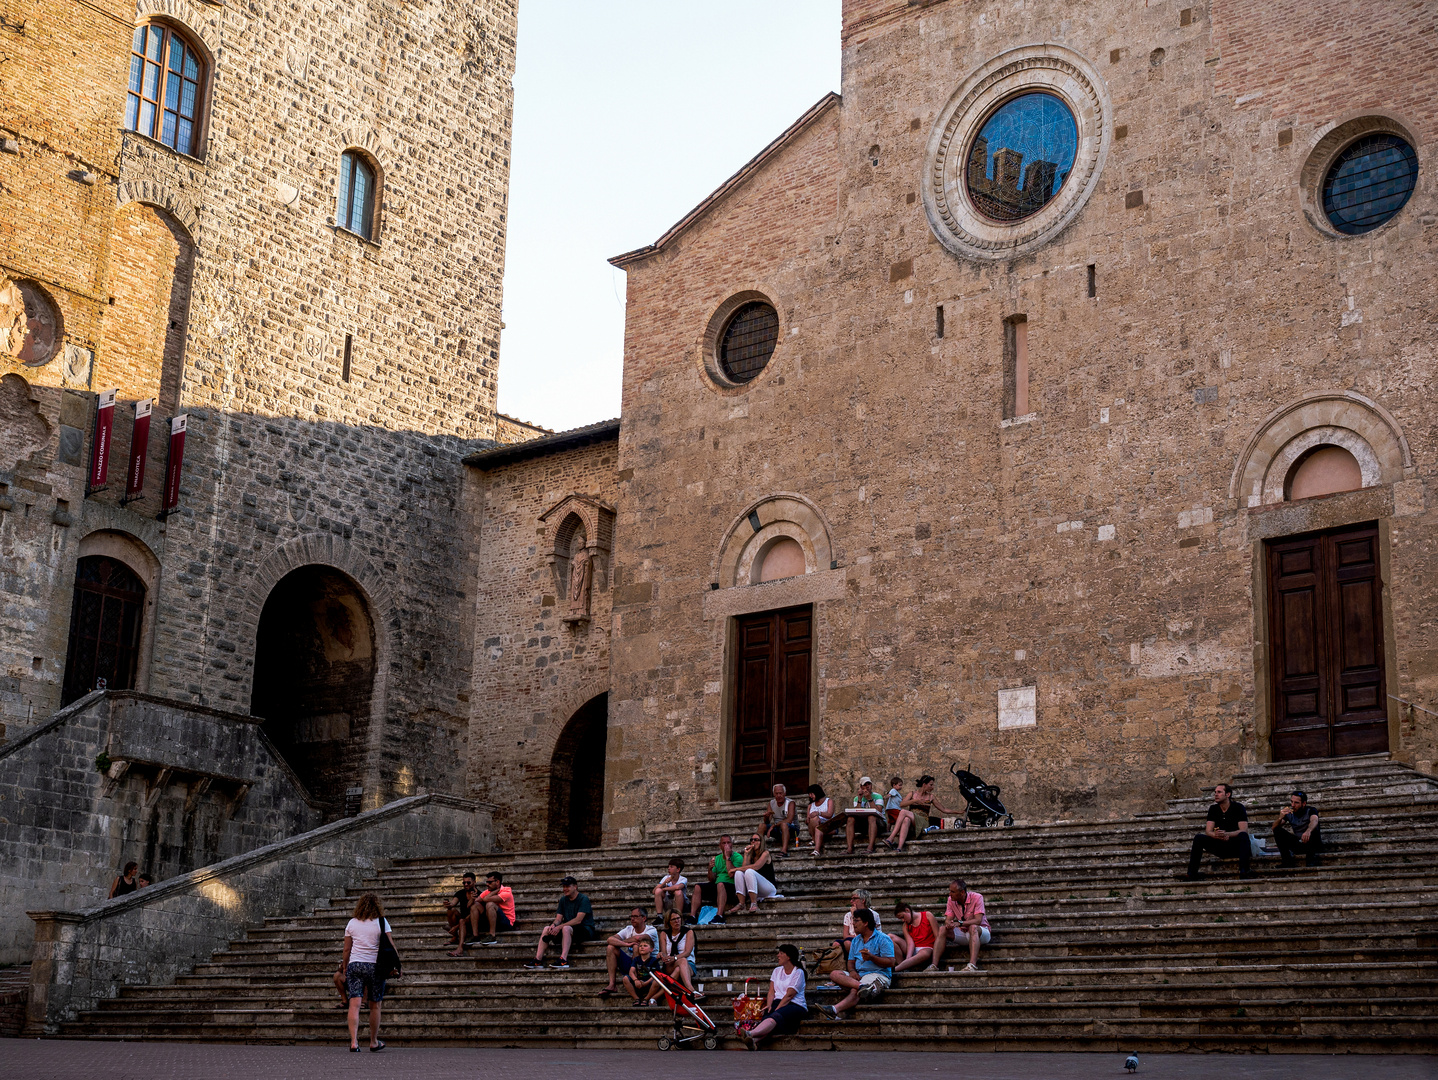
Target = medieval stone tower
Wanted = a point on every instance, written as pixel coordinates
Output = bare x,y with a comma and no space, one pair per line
286,228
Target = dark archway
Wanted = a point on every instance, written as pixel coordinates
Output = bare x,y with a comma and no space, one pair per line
105,620
314,676
576,778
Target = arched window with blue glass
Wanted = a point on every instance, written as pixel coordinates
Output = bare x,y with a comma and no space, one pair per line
358,201
166,98
1021,157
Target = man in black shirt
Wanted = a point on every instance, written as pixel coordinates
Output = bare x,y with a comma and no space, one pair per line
1296,832
1225,834
459,915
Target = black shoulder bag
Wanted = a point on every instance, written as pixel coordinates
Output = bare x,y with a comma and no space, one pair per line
387,966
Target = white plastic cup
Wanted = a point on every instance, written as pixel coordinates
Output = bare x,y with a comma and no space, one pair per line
731,988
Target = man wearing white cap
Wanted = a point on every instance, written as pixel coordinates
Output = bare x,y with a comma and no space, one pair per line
868,806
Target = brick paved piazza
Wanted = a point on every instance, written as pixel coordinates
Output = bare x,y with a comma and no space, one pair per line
57,1060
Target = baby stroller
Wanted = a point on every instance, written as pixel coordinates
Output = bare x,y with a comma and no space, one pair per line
691,1023
984,806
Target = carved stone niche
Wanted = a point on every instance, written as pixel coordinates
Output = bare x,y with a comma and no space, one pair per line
578,535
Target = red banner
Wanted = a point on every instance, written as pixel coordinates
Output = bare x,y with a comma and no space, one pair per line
139,448
100,447
175,464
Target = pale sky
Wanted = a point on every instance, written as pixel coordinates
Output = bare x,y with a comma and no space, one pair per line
626,114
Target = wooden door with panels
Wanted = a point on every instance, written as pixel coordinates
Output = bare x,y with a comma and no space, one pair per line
1325,616
772,694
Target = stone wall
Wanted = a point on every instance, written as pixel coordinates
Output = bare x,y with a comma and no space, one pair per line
150,937
332,383
1095,549
533,670
181,787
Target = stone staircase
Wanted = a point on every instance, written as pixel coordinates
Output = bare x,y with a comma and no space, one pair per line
1098,942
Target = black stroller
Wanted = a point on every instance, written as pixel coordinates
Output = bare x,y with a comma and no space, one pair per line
985,809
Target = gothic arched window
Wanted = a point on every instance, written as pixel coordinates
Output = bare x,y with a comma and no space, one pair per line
167,83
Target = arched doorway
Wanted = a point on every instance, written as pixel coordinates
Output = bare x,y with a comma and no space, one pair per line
314,676
576,778
105,621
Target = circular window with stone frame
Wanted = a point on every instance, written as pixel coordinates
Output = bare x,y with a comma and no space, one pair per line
741,339
1016,152
1358,175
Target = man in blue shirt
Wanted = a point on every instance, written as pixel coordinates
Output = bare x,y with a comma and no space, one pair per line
871,962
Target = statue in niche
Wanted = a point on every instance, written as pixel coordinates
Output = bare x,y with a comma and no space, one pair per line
581,577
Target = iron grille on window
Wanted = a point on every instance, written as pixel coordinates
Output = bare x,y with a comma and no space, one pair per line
749,341
1369,183
105,623
166,74
356,203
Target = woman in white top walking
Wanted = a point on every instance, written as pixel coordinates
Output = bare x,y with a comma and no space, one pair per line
784,1007
362,934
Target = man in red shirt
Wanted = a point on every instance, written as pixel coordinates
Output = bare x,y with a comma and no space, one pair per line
497,905
965,923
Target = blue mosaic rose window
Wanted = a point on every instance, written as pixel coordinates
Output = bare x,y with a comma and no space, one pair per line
1021,156
1369,182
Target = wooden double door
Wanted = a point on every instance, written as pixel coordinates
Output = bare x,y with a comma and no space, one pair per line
772,695
1325,607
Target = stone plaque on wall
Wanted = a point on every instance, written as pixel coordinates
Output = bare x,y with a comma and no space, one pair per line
1018,707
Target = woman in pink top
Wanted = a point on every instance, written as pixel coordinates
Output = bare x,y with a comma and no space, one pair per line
965,923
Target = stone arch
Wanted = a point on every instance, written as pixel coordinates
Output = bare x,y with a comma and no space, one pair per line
188,17
1338,418
337,553
314,679
135,556
575,815
764,523
153,193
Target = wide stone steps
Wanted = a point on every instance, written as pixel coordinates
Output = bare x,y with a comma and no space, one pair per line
1098,942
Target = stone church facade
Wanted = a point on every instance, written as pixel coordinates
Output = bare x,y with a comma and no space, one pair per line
1105,472
1055,399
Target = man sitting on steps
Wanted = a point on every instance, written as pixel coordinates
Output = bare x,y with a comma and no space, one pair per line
619,952
1225,834
965,926
573,924
1296,832
781,825
870,968
496,905
717,889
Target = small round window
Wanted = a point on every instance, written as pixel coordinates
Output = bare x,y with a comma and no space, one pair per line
30,325
748,341
1369,182
1021,157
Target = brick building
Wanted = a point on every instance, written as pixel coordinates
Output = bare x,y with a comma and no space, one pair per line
288,229
1054,399
1057,399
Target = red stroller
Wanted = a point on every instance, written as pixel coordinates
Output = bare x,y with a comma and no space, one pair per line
691,1023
